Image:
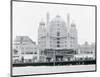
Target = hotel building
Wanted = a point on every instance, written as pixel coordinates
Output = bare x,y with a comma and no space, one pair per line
24,50
57,39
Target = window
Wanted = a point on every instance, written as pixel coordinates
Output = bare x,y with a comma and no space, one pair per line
58,38
15,51
16,47
29,53
65,41
50,45
58,29
58,24
65,45
22,53
35,52
72,37
58,45
58,33
58,42
71,45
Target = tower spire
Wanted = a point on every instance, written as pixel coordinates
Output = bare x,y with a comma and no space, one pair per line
68,20
48,17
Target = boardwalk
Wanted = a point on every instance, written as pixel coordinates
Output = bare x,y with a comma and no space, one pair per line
51,69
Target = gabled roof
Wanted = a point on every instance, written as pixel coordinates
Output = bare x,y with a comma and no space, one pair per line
23,39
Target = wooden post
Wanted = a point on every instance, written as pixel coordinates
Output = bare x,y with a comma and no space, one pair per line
54,57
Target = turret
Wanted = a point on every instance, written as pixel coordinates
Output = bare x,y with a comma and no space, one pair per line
73,35
41,29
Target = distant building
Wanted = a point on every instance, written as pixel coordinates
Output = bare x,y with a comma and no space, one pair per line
57,37
86,51
24,50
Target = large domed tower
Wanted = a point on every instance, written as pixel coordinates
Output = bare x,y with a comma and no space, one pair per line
57,38
58,33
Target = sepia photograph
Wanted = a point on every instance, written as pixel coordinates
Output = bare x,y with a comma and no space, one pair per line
52,38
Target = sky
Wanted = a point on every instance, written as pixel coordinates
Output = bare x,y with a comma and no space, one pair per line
27,16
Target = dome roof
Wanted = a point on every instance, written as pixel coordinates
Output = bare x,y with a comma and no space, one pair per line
57,25
42,22
58,19
73,25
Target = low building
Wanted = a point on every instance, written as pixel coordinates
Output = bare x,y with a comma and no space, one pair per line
24,50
